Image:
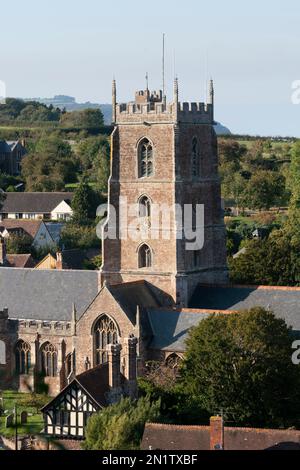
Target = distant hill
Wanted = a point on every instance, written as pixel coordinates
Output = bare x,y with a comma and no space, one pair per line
70,104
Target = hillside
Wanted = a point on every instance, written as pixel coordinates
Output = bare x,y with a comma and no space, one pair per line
69,103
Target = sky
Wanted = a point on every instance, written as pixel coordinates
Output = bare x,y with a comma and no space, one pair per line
75,47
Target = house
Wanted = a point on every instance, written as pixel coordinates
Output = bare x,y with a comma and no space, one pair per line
14,260
11,155
173,437
37,206
35,229
67,259
67,414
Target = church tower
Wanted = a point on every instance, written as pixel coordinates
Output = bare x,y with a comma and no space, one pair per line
164,158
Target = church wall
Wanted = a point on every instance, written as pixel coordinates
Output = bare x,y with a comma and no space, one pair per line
83,341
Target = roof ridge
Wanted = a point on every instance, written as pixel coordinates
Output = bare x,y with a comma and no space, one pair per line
248,286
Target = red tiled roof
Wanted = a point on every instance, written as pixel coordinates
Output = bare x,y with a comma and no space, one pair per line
30,227
179,437
20,261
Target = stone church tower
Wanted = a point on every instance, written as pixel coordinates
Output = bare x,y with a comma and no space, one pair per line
164,156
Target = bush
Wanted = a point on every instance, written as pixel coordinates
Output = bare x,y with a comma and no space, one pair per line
120,426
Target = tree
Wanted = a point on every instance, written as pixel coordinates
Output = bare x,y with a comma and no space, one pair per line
231,151
272,261
293,223
49,166
94,156
78,236
84,203
120,426
87,118
264,190
18,244
241,364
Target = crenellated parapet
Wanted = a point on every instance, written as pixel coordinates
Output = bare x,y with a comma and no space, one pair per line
58,328
151,107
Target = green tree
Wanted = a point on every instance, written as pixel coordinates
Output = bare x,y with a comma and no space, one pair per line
120,426
272,261
87,118
18,244
79,236
49,166
241,363
264,190
84,203
293,223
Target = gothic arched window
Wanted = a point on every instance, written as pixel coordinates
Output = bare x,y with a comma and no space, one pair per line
145,159
195,158
144,207
49,360
105,333
145,256
22,357
173,361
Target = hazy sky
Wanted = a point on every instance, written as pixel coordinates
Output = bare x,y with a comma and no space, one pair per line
74,47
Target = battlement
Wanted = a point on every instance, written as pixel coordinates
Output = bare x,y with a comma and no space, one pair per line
159,111
151,107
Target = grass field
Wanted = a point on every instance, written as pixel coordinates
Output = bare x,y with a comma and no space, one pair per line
34,424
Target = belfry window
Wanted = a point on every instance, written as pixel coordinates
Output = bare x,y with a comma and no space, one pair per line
49,360
145,156
145,256
22,357
195,158
105,333
144,207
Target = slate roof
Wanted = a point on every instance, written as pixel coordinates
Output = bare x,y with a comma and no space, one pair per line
170,327
283,301
34,202
178,437
46,295
7,146
131,294
55,228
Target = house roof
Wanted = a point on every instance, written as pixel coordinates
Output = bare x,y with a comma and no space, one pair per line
73,259
55,228
93,381
48,294
20,261
7,146
178,437
38,202
30,227
283,301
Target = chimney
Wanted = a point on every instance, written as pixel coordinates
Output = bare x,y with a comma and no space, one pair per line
114,373
59,260
3,259
216,433
131,365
